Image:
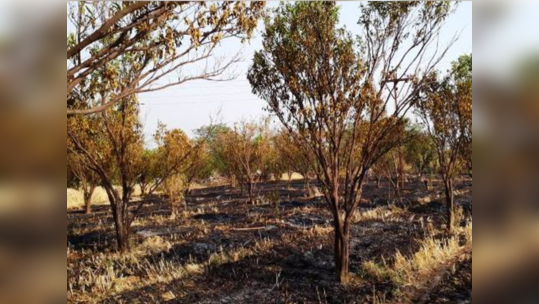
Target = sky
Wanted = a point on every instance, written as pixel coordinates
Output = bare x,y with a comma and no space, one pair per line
194,104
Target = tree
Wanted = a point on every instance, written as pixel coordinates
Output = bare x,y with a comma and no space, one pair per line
86,179
292,158
199,167
392,164
462,71
218,160
244,148
388,166
161,37
419,152
445,107
83,177
175,153
113,152
224,160
272,165
171,162
333,101
148,171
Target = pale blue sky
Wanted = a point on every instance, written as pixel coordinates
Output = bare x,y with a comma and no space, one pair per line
190,106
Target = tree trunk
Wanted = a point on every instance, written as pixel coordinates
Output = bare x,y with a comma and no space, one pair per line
450,204
120,216
142,190
401,177
251,192
308,190
289,179
342,254
122,235
87,189
233,182
378,182
397,186
88,202
188,189
342,239
173,203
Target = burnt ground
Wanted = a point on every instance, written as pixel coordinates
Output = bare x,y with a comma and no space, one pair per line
268,255
456,287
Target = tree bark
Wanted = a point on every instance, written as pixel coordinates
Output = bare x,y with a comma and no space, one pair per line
233,182
308,189
88,191
142,190
450,204
122,235
120,216
251,192
88,201
342,254
342,239
173,203
397,186
289,180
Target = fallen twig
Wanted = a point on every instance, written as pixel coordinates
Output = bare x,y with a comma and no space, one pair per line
253,228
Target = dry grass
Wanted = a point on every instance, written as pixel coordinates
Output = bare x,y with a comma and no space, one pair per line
154,244
381,272
75,198
293,176
317,230
433,255
380,213
102,278
164,255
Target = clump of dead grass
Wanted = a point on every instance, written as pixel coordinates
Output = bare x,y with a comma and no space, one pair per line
154,244
383,214
432,255
317,230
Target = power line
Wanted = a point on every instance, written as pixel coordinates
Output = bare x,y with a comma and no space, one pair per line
198,102
197,95
215,85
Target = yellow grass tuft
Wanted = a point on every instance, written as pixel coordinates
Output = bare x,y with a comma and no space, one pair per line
433,255
380,213
155,244
194,268
379,271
